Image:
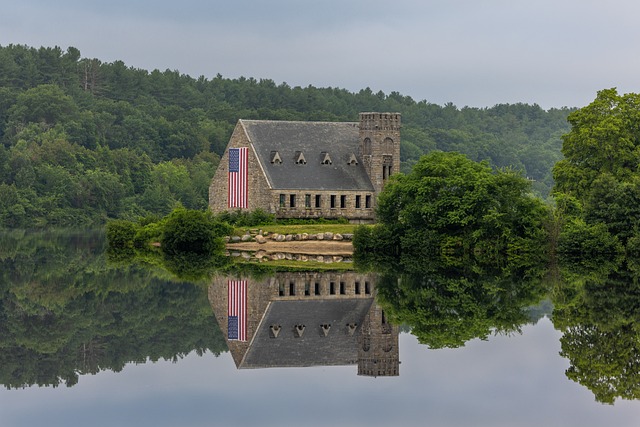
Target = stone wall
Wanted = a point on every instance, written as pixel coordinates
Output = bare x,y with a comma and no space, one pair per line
344,204
259,294
258,189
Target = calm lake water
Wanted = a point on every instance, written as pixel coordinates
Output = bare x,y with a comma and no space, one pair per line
83,342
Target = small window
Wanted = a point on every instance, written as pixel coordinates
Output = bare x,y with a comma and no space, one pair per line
332,288
367,288
283,200
367,201
275,158
343,201
307,200
307,289
292,288
300,160
358,201
333,201
318,201
326,159
316,288
357,288
343,290
281,289
292,200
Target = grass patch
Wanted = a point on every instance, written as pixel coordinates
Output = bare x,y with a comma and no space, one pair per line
291,265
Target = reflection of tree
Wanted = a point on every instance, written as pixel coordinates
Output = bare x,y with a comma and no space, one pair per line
64,312
598,310
191,243
451,304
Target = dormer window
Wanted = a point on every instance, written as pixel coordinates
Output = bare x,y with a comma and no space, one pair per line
352,160
274,330
325,328
326,159
298,330
300,160
275,158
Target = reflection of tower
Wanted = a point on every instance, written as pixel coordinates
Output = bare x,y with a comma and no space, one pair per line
380,146
378,353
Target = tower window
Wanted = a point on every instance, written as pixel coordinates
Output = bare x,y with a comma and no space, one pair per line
366,147
387,146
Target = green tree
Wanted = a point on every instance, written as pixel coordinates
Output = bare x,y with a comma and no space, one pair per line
456,204
45,104
601,165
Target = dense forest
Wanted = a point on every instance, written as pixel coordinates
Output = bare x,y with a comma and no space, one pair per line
83,140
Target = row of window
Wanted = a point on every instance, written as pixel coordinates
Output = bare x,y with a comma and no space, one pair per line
333,289
335,201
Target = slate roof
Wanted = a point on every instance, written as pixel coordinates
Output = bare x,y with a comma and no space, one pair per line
313,348
312,139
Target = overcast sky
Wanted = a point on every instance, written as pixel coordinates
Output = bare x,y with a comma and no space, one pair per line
470,52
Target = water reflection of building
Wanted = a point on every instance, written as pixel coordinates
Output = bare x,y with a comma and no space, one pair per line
306,319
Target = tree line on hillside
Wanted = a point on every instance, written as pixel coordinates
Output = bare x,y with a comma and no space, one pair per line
83,140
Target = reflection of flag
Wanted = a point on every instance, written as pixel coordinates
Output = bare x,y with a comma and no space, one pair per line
237,310
238,172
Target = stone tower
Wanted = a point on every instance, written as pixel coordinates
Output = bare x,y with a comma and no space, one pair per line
380,146
378,353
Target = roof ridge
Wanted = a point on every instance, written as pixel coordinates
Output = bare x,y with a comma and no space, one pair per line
296,121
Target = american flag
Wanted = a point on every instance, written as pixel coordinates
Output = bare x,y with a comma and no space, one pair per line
237,310
238,173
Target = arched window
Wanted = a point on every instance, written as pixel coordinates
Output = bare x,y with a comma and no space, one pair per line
366,147
387,146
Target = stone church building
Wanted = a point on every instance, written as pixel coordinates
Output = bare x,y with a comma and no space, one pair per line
303,319
308,169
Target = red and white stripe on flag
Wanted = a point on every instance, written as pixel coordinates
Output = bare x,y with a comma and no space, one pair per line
238,196
237,310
